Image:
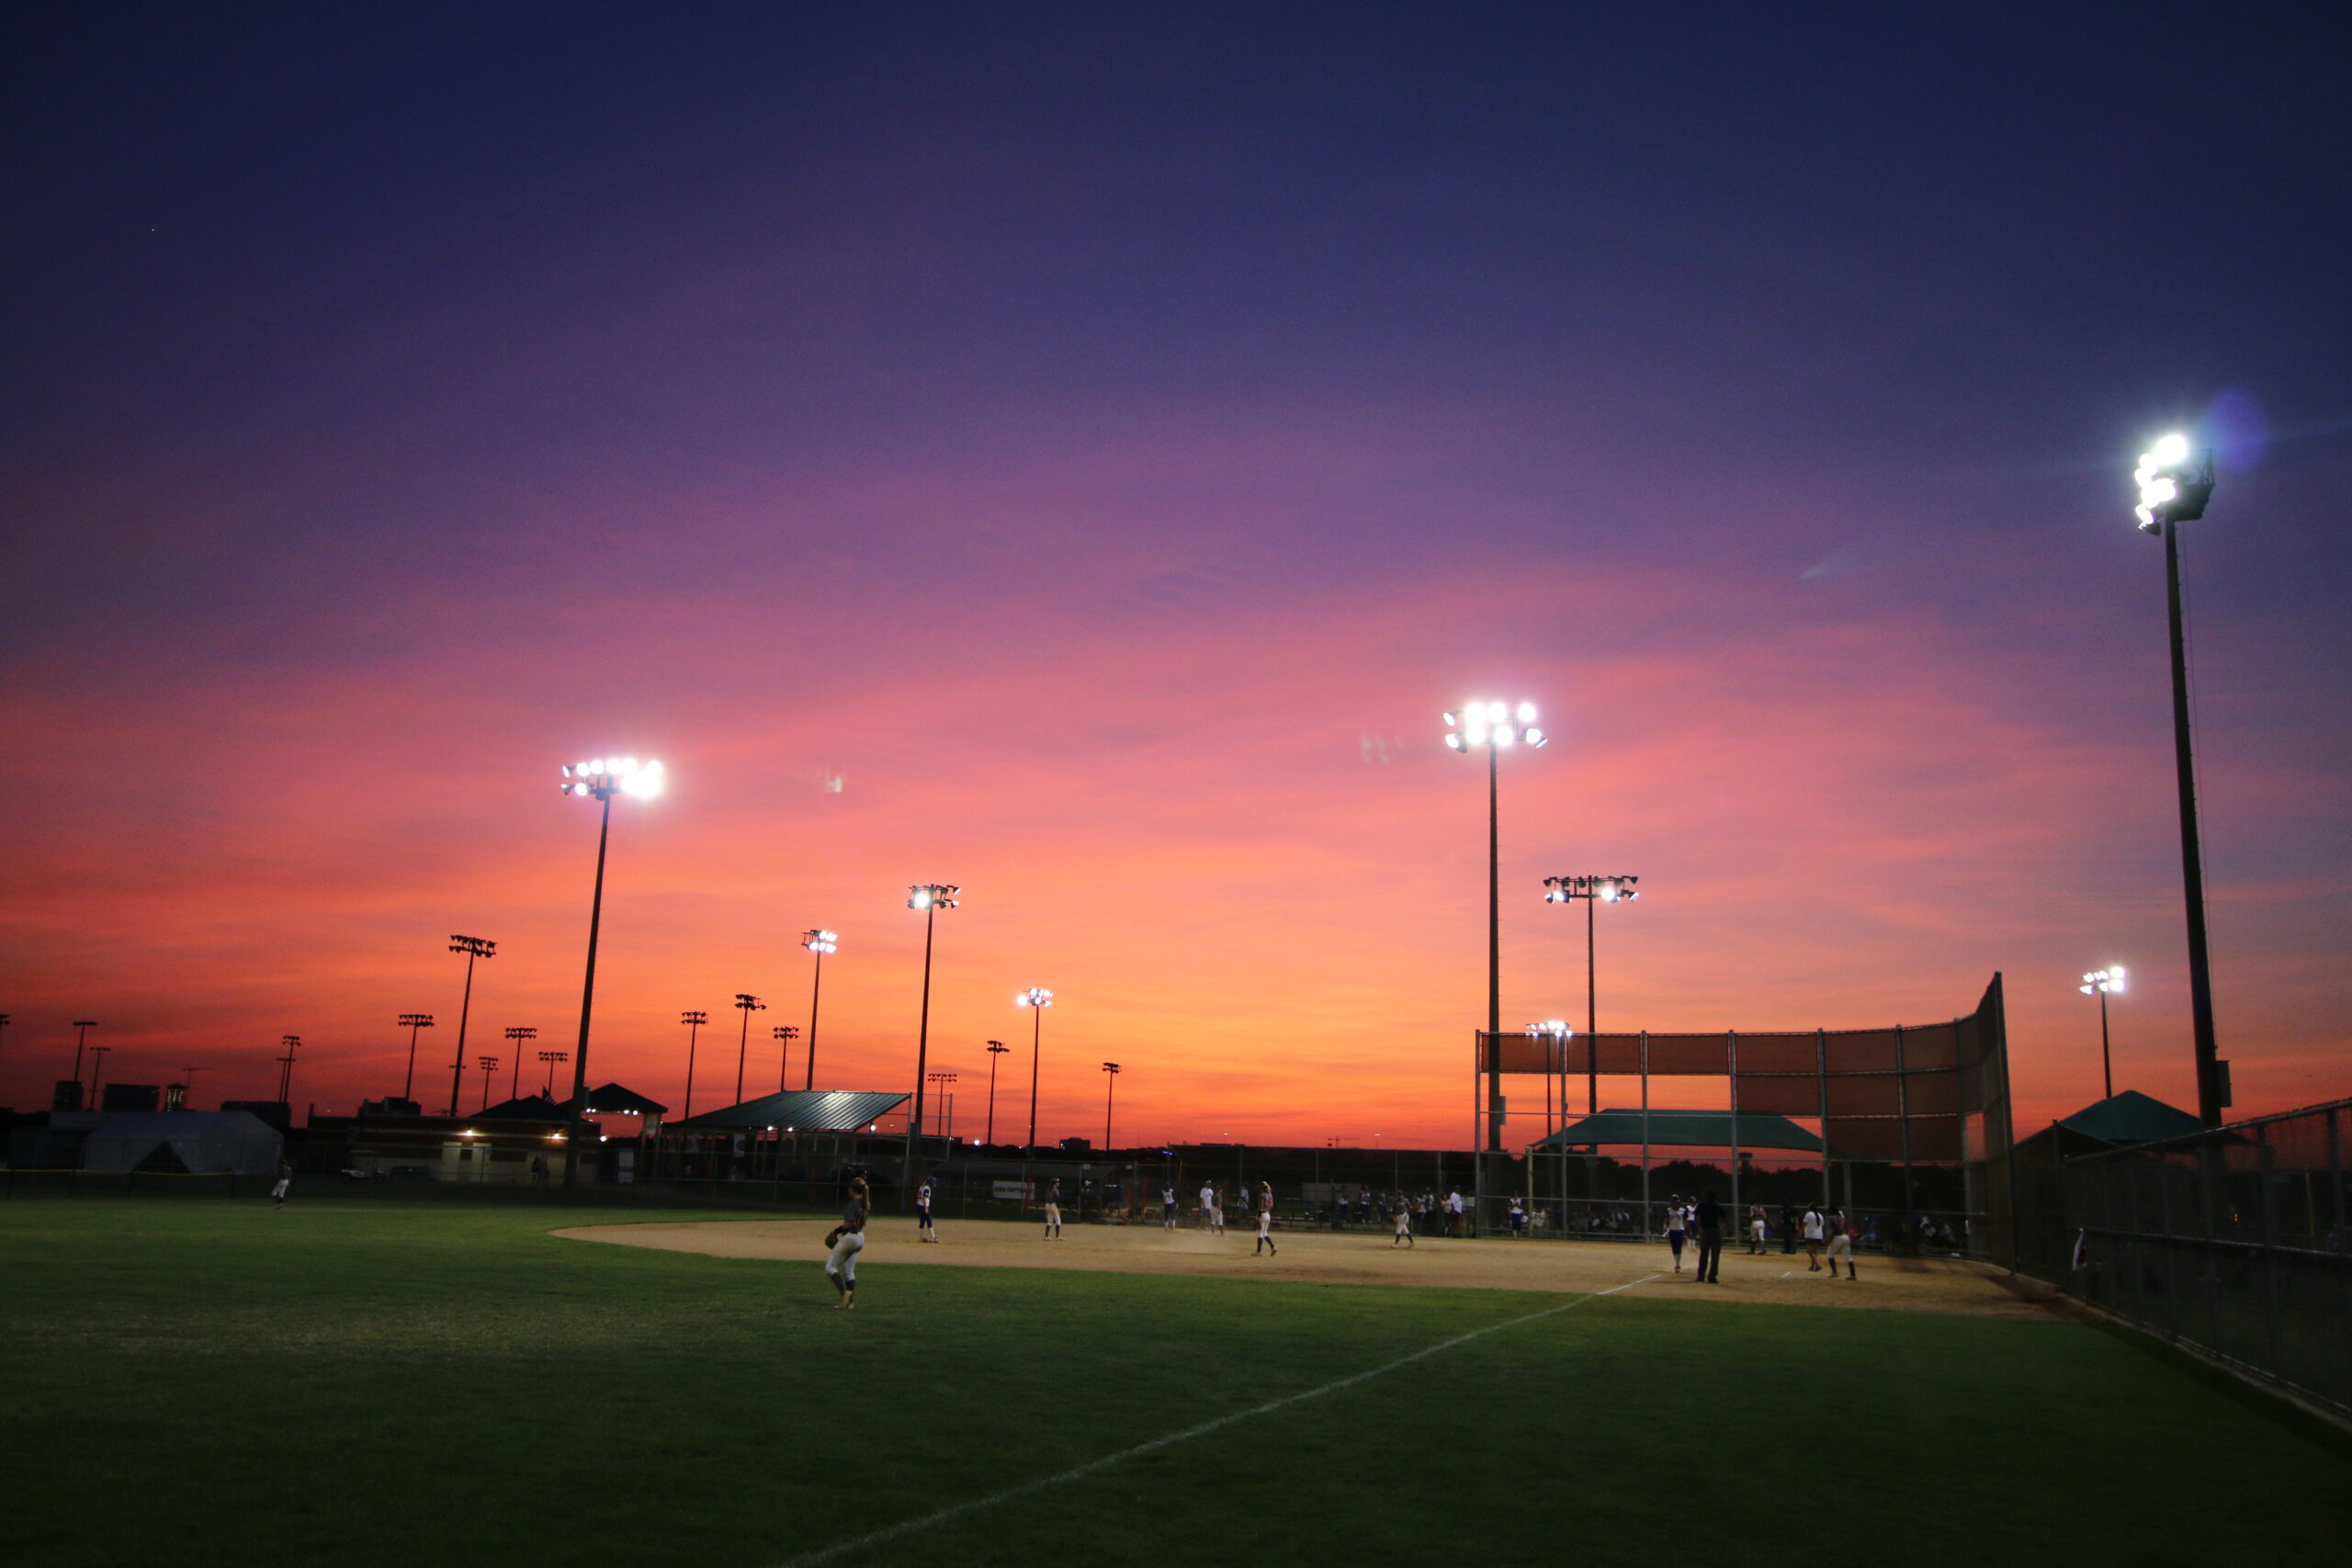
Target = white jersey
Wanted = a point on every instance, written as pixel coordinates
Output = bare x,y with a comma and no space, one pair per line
1812,1226
1208,1199
1453,1203
1677,1218
923,1198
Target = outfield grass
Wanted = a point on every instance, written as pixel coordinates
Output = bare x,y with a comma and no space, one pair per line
194,1381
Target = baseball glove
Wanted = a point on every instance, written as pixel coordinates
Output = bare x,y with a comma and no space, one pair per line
832,1236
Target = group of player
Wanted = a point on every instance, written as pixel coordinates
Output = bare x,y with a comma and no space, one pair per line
1823,1231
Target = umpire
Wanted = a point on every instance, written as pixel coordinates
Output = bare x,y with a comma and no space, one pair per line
1709,1215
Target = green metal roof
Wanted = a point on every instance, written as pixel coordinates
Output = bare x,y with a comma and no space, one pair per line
803,1110
2131,1118
1681,1129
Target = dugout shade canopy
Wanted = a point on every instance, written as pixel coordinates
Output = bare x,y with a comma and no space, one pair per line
204,1142
1681,1129
803,1110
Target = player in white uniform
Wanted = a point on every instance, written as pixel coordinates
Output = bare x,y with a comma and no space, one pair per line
285,1180
1404,1224
1678,1228
923,1230
1811,1228
1210,1219
849,1240
1054,1209
1168,1208
1841,1243
1453,1213
1265,1220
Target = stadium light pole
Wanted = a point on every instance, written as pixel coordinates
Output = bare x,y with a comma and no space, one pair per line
81,1027
187,1087
996,1048
292,1043
601,779
746,1004
819,943
785,1033
2101,983
1036,999
473,947
515,1038
2176,483
1110,1071
412,1022
1594,891
945,1091
693,1022
551,1058
98,1071
930,898
487,1065
1494,727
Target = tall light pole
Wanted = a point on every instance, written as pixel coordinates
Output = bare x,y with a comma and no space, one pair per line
1109,1082
944,1088
819,943
996,1048
473,947
551,1058
601,779
930,898
2101,983
515,1039
785,1033
1036,999
1593,890
693,1022
98,1070
81,1027
1494,726
187,1087
292,1043
2175,486
487,1065
746,1004
412,1022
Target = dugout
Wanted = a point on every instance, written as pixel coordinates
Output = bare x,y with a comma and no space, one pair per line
1911,1112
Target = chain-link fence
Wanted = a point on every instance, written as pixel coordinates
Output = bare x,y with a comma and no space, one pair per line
2236,1242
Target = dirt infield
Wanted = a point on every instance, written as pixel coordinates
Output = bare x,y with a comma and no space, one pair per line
1912,1285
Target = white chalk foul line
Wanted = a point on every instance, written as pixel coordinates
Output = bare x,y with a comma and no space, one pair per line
1095,1467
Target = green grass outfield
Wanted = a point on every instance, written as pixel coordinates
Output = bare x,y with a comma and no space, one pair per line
193,1381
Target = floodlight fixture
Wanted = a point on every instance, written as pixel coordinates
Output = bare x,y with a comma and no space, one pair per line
473,947
412,1022
606,776
2103,984
1594,891
784,1034
747,1004
819,942
930,898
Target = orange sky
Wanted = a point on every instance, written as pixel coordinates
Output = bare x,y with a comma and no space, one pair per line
1222,830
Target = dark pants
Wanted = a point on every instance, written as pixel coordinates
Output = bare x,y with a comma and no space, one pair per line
1788,1239
1711,1252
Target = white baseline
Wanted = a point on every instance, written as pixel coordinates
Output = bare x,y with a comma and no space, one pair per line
1093,1467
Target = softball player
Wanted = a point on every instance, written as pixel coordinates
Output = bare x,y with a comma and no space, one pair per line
1054,1209
285,1180
840,1264
1168,1208
1404,1224
923,1230
1265,1220
1678,1228
1208,1208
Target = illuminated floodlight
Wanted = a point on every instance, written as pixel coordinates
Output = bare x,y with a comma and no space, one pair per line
1034,997
2176,482
2109,980
820,941
1496,724
1554,1028
604,777
933,895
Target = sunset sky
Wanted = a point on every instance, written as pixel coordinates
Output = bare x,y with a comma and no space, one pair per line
1080,451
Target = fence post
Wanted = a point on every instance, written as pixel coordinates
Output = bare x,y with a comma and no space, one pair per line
1821,1084
1731,1049
1903,1119
1646,1135
2272,1351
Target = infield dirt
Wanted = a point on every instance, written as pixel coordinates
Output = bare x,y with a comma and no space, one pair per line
1946,1285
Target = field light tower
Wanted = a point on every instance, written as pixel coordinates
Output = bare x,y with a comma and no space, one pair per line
930,898
81,1027
98,1071
551,1058
1496,726
785,1033
693,1022
600,780
819,943
2176,482
1110,1071
292,1043
473,947
515,1039
412,1022
747,1004
487,1065
996,1048
2104,983
1593,890
1036,999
